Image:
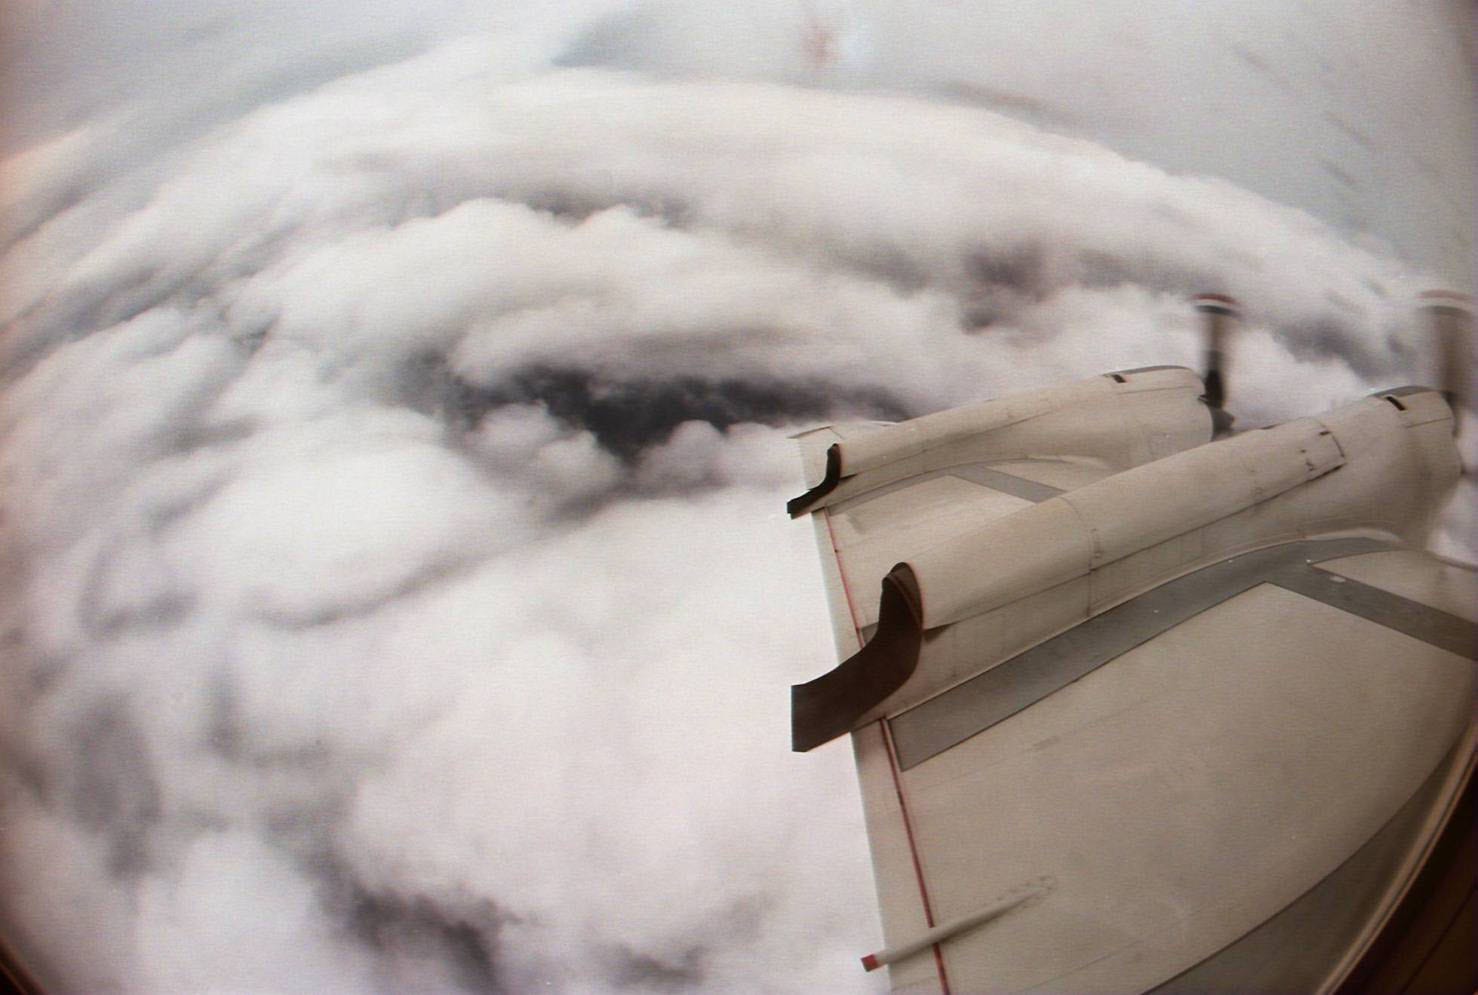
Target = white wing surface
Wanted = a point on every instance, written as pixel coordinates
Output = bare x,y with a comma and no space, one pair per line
1133,710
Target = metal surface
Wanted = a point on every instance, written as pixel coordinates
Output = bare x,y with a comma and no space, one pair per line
1007,483
964,574
1143,369
1406,391
979,703
1416,575
972,473
1182,795
1430,625
1293,950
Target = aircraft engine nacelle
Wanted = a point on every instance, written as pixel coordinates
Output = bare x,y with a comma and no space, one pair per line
1120,420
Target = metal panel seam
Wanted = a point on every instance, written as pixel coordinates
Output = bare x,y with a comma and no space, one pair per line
971,707
913,849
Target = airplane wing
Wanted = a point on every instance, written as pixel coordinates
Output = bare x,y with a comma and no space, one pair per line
1137,711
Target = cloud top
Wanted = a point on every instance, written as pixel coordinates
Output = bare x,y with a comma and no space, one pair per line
397,593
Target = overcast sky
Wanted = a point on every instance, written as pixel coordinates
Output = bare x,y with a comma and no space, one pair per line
398,592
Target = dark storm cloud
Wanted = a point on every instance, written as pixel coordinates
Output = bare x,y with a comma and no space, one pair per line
117,793
416,930
635,970
628,417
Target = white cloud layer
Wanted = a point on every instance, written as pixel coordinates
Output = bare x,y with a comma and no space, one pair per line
397,593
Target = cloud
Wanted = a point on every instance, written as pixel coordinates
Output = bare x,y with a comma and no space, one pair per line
383,206
397,588
1358,114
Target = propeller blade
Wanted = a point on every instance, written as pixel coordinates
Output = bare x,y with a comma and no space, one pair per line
1219,312
1450,317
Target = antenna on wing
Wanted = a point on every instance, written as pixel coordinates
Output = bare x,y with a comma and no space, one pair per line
1219,312
1450,317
